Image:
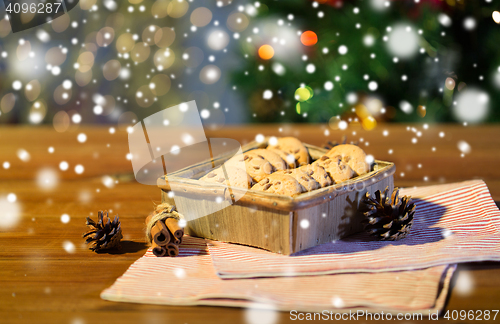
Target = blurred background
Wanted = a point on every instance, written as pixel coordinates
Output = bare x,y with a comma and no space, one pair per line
332,61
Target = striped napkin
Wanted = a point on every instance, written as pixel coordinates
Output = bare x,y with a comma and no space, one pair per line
453,223
190,279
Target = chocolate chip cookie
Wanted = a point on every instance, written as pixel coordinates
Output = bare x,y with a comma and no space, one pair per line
353,155
287,157
336,168
276,161
256,166
237,177
303,178
293,146
280,184
318,173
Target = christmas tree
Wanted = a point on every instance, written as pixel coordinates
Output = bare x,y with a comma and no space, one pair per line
286,60
372,60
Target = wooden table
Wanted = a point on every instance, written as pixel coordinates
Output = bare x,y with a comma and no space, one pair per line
47,275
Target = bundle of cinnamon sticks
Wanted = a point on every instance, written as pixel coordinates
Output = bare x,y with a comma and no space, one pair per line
167,236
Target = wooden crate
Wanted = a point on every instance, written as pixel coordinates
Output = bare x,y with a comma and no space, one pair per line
278,223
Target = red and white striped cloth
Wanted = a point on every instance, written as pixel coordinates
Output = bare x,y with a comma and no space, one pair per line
453,223
190,279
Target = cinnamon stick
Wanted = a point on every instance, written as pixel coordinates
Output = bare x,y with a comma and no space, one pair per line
175,229
172,250
159,251
167,235
160,233
174,239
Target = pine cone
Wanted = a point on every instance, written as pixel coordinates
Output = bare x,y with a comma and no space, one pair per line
105,234
388,217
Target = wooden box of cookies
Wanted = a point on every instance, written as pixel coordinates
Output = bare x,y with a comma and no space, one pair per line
309,196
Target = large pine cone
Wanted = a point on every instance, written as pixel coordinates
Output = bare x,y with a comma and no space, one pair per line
388,218
105,234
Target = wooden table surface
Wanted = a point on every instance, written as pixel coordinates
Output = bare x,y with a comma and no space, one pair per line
47,275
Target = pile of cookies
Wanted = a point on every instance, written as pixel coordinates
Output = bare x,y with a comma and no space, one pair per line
286,169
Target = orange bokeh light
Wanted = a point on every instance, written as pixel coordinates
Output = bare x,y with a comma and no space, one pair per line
266,52
308,38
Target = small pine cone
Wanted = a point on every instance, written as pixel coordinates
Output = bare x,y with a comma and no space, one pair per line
105,234
388,217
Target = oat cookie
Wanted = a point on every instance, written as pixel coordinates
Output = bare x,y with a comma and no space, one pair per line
287,157
237,177
336,168
305,180
276,161
256,166
353,155
318,173
295,147
280,184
